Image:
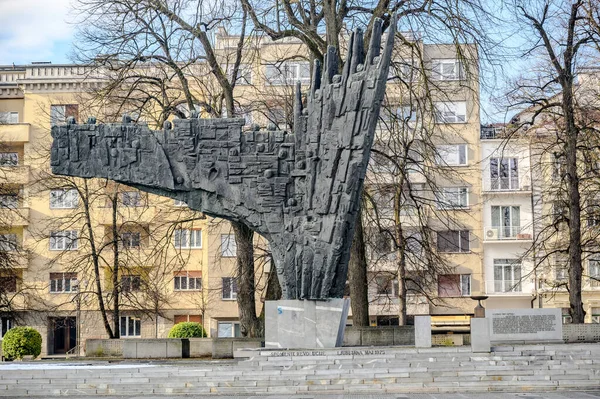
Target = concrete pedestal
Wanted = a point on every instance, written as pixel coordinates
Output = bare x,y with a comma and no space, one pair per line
305,324
423,331
480,335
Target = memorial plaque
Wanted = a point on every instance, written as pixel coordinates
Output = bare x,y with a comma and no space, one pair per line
525,325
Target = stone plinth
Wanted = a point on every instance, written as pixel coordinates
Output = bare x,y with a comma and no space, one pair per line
305,324
480,335
423,331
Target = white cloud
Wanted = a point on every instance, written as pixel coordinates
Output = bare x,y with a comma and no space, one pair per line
34,30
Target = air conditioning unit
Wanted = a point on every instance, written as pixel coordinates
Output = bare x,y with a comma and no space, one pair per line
491,234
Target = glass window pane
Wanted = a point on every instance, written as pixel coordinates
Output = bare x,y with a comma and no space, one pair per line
224,330
123,326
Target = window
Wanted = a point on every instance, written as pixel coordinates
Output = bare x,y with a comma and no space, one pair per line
560,209
559,166
63,282
229,288
403,113
185,318
504,173
244,74
131,239
594,272
386,286
507,275
453,197
228,245
8,242
566,316
130,283
9,159
382,242
8,284
447,69
6,324
131,198
60,113
287,73
596,315
561,272
453,154
188,281
451,112
179,203
10,201
63,240
593,213
228,329
453,285
453,241
64,199
506,220
10,117
188,238
131,326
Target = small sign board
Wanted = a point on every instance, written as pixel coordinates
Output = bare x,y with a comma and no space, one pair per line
525,324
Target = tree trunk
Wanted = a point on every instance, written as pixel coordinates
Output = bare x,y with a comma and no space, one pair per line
115,275
249,323
357,277
95,261
272,293
575,263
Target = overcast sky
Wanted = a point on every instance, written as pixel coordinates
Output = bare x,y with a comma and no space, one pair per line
34,30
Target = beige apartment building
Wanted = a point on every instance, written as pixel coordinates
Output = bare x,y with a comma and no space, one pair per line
177,265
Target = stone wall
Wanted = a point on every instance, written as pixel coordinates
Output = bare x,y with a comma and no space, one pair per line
581,332
379,336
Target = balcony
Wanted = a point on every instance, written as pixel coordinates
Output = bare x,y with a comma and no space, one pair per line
492,132
14,174
14,217
505,288
506,233
506,185
15,133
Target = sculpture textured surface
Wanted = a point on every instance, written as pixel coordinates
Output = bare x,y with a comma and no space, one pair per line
299,189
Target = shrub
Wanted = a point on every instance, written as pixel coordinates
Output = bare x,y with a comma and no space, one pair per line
187,330
21,341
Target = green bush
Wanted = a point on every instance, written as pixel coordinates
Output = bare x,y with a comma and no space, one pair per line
187,330
21,341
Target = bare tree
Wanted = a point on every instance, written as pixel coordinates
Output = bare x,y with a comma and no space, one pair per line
563,37
319,25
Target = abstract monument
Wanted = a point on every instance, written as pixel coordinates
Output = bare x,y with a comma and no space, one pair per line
299,189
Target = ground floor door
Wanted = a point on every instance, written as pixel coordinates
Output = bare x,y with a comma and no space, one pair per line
64,332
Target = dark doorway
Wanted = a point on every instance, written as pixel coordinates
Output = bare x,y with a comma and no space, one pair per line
64,332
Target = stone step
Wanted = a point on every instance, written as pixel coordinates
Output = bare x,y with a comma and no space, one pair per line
392,370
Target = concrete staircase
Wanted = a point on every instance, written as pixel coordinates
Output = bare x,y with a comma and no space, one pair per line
330,371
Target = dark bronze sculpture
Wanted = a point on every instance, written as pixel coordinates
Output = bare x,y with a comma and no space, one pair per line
300,190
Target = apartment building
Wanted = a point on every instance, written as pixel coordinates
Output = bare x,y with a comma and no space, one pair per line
478,193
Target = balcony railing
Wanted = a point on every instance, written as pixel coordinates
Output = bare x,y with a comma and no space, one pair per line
506,184
504,287
494,233
491,132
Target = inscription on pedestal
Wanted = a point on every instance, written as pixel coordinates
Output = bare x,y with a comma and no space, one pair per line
525,324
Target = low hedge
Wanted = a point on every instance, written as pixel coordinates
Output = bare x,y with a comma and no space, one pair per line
187,330
21,341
